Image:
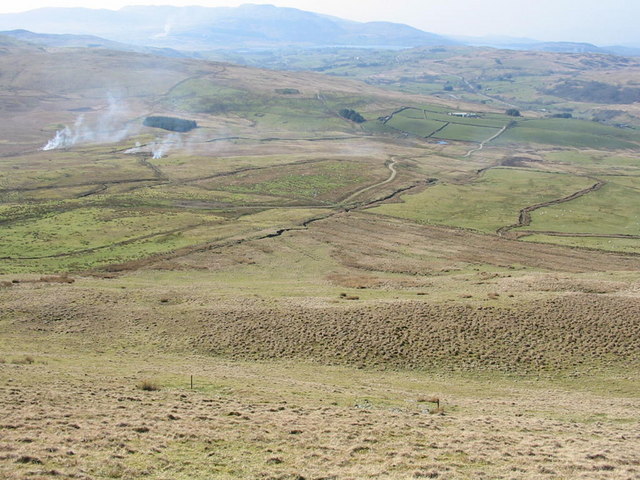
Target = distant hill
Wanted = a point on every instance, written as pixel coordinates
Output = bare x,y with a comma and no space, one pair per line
201,28
82,41
512,43
573,47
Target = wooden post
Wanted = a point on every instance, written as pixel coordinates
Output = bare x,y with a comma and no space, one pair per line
191,382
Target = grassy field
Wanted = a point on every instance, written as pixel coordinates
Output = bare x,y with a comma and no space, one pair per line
434,122
631,246
574,133
416,126
466,133
247,419
85,239
609,210
322,181
491,202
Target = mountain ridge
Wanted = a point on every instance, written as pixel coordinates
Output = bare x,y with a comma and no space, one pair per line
204,28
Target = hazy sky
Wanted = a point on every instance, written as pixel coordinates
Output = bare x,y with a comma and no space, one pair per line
603,22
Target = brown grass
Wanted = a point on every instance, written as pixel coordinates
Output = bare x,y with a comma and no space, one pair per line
536,334
251,421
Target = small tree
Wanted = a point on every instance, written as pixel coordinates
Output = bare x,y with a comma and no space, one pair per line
513,112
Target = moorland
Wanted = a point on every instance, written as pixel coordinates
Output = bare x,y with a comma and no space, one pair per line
284,293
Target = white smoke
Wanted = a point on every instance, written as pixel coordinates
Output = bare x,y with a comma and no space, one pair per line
63,139
161,147
108,127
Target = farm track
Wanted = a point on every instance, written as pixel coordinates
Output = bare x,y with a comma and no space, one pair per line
394,173
482,144
524,219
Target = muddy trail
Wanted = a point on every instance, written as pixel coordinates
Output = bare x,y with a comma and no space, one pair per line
524,219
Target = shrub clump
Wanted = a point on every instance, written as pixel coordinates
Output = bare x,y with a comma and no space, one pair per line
172,124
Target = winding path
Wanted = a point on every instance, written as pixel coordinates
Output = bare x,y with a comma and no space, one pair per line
391,166
483,143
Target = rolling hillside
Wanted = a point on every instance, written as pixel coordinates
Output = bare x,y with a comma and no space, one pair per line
294,275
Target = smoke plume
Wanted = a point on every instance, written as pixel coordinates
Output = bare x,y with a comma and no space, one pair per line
109,127
160,149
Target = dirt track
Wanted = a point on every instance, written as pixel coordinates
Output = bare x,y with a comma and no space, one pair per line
392,177
482,144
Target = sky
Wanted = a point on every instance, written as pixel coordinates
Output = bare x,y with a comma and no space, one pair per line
602,22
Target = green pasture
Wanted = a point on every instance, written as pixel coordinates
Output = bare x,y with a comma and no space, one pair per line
570,132
418,127
491,202
88,238
428,122
89,228
466,133
614,208
268,111
190,196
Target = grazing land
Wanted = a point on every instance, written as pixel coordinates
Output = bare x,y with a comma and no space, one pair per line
440,291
